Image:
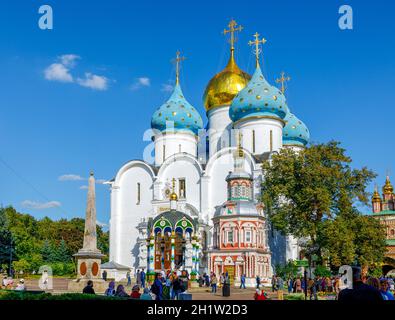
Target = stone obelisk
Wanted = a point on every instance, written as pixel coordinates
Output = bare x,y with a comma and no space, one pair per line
89,257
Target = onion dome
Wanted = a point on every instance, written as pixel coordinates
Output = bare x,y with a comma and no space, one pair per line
295,131
376,196
388,188
179,111
258,99
224,86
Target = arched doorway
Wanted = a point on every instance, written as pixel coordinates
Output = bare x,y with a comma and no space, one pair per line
388,266
172,233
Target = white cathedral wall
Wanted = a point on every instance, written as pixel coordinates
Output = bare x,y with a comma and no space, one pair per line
218,122
262,128
170,144
127,211
217,170
183,169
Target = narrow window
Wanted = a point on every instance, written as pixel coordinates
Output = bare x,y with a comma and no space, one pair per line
253,141
179,148
271,140
181,188
164,153
230,236
138,193
248,236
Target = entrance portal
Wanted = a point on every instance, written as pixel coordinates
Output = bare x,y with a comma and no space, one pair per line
163,251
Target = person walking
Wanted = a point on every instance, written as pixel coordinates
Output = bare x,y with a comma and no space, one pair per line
207,280
142,277
290,285
258,281
157,287
104,275
176,287
312,289
213,283
298,285
221,279
280,287
243,281
274,282
138,277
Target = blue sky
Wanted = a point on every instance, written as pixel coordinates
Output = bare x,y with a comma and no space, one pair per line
342,83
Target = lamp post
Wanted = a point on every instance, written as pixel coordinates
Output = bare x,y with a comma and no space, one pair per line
10,262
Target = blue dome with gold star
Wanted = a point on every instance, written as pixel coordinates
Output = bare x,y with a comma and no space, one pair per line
258,99
295,131
179,112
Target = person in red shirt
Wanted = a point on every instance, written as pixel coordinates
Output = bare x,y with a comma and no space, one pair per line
135,292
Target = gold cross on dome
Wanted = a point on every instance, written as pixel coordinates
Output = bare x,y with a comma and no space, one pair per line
177,61
232,29
256,43
282,80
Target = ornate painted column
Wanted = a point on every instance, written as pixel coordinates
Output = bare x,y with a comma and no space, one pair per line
173,240
151,253
197,258
193,273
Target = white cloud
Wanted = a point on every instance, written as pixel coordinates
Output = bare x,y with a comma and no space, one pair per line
93,81
167,87
40,205
84,187
69,59
141,82
58,72
70,177
100,181
101,224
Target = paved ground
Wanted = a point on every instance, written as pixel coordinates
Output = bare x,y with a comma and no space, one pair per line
60,286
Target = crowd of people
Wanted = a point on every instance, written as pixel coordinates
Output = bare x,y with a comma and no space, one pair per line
166,286
7,283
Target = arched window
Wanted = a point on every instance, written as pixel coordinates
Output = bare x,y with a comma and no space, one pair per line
138,193
253,141
271,140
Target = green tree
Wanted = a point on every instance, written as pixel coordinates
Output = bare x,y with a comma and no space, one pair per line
62,253
5,239
304,190
288,270
21,265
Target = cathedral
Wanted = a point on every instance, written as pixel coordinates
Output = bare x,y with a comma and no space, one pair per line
197,206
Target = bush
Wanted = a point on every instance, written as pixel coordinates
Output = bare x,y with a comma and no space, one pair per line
294,296
62,268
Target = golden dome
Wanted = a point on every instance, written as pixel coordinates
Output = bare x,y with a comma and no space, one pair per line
224,86
388,188
376,196
173,196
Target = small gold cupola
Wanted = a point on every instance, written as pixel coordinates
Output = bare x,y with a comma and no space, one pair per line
388,188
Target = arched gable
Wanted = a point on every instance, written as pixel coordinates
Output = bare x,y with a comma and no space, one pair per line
131,164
